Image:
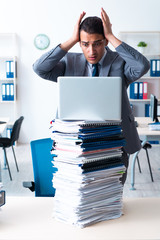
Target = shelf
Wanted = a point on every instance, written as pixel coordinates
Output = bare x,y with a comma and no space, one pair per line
4,102
8,44
152,51
152,38
149,78
8,86
139,100
7,79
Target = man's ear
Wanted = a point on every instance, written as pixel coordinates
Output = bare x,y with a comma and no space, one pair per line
106,42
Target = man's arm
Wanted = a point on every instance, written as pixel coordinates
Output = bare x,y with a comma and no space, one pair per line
66,46
51,64
136,64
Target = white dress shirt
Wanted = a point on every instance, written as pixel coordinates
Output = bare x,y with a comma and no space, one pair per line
89,66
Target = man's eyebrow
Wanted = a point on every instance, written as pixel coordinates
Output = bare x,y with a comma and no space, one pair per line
92,41
84,42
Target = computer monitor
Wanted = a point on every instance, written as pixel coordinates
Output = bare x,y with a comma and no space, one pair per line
89,98
153,108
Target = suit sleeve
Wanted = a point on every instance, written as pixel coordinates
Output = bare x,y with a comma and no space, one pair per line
51,64
136,65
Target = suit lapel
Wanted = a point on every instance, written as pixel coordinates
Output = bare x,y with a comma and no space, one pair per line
107,62
80,65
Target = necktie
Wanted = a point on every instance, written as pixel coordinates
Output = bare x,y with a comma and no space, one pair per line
95,70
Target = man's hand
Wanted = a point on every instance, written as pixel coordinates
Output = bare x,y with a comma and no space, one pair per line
107,27
75,37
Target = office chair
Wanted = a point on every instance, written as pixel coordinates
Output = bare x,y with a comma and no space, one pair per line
9,142
42,168
146,146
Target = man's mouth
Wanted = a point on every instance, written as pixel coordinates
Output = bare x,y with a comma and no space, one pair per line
92,57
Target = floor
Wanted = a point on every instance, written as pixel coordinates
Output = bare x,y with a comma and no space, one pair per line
144,186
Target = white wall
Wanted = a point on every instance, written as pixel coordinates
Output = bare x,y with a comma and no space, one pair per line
36,97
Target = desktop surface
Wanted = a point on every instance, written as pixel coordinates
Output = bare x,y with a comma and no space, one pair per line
145,135
31,218
143,128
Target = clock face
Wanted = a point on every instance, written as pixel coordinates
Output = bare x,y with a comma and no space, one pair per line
41,41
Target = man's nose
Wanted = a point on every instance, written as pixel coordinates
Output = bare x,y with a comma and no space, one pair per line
91,48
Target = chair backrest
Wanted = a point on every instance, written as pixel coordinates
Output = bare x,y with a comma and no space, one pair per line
16,129
42,167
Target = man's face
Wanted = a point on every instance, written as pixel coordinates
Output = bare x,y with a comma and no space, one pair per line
93,46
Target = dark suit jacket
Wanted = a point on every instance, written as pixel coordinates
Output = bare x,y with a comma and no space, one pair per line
126,63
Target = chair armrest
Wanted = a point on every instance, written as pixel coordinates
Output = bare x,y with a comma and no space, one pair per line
30,185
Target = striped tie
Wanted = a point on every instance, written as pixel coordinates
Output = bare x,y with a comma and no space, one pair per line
95,70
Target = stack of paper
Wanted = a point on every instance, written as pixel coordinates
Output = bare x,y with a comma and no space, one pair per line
154,126
89,163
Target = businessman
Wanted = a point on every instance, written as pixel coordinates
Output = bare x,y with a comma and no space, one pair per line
93,35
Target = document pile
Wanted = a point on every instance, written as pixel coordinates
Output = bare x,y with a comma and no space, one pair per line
89,163
154,126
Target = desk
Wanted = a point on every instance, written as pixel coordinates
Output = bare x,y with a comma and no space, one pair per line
25,218
3,126
145,135
31,218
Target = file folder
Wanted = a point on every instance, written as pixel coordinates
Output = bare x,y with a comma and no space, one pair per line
158,68
7,92
134,90
9,69
11,92
140,90
153,67
145,90
4,98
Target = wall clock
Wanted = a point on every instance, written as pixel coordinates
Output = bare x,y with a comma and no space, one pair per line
41,41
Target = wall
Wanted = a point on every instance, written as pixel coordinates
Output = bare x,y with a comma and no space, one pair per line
37,98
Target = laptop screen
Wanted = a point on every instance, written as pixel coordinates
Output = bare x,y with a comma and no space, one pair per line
89,98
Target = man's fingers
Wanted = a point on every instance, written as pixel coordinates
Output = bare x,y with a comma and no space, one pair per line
81,16
104,16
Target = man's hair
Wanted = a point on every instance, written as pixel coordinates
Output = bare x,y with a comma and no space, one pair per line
92,25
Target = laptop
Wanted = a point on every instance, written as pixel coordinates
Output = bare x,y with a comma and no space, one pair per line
89,98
